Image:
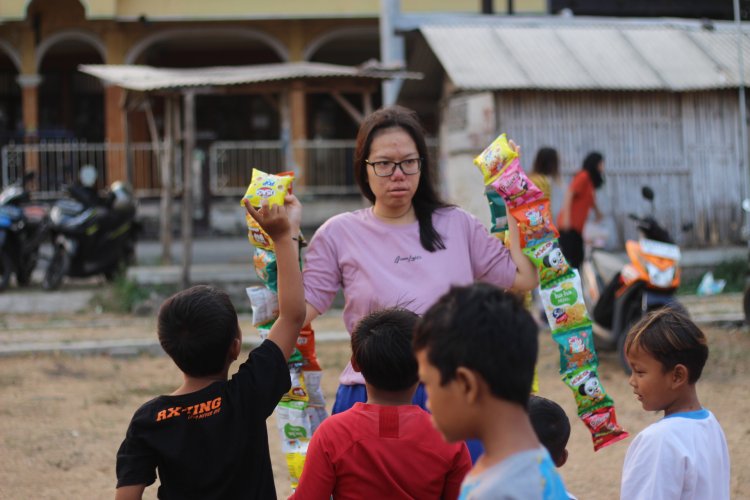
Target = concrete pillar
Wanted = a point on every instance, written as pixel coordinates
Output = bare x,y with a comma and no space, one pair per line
30,99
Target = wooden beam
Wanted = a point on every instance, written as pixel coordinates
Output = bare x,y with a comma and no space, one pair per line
348,107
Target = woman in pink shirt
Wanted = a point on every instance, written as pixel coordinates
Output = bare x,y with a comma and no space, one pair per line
409,247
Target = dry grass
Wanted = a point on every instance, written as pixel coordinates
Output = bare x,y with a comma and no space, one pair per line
63,417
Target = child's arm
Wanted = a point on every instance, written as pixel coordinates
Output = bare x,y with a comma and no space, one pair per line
277,221
133,492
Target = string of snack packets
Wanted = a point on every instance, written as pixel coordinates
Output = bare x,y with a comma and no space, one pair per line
302,409
509,188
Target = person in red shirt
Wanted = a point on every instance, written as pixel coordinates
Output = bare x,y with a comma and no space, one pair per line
579,200
386,447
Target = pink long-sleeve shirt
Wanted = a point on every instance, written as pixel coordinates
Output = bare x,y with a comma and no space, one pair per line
382,265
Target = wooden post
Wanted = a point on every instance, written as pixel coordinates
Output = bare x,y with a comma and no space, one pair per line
167,182
187,192
129,167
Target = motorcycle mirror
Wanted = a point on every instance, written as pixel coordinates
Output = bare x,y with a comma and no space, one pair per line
746,204
87,175
647,193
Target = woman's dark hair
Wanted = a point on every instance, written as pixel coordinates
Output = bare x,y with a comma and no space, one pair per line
426,199
547,162
591,165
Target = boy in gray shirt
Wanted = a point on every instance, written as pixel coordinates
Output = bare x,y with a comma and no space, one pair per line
476,348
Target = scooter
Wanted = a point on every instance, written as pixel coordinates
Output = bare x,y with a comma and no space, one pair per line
623,292
23,228
90,234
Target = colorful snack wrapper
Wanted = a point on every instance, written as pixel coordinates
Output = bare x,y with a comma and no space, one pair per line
550,262
535,223
265,304
256,235
306,347
264,262
272,188
494,158
515,187
587,389
602,423
564,306
576,349
498,211
298,390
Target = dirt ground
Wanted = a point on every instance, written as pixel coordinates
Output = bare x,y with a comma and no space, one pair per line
63,417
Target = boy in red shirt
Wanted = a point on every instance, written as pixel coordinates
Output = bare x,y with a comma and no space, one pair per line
387,447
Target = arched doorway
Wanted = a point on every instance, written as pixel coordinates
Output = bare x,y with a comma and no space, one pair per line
347,47
71,104
218,117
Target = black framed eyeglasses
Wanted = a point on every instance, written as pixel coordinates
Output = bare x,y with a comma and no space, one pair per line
412,166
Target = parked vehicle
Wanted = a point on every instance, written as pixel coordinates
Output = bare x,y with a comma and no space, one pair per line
623,292
746,236
91,234
23,228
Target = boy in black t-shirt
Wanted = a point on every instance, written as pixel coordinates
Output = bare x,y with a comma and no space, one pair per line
208,438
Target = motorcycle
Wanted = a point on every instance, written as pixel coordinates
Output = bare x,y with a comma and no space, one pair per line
623,292
23,228
91,235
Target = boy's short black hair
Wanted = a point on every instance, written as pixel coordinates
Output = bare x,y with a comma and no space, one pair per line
485,329
673,339
551,425
196,328
381,346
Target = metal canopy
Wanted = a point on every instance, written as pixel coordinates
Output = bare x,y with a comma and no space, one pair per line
589,53
148,78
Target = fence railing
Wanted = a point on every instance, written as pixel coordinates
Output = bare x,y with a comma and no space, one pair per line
325,165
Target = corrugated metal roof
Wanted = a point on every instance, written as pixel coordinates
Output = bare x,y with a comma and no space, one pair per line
604,54
145,78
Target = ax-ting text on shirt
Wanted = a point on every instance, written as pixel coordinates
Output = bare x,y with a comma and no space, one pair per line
201,410
409,258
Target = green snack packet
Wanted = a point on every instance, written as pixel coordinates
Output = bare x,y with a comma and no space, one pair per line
550,263
587,389
576,349
498,211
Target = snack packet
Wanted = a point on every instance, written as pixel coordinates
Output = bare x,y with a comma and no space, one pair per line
295,431
535,223
576,349
550,262
602,423
270,187
498,211
564,305
306,347
256,235
494,158
587,389
264,262
298,390
515,187
265,304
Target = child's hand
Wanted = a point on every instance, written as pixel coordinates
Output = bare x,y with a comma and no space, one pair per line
294,212
274,220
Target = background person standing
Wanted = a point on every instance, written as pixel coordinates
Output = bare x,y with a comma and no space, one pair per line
579,199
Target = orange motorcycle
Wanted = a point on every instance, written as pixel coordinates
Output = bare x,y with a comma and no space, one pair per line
621,293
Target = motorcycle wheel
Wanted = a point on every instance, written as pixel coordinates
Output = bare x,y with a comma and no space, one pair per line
57,269
6,268
23,276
